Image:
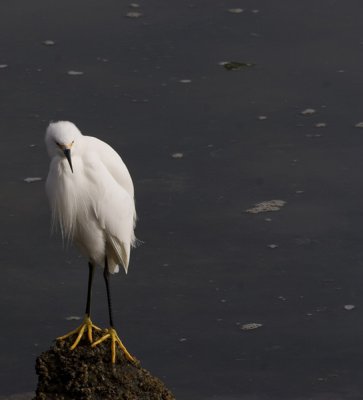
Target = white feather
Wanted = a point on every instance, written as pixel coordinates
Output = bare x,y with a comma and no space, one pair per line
93,206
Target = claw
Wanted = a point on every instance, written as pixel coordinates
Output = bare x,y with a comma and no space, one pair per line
86,325
111,333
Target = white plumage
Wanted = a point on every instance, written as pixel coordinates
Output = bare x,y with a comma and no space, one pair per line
93,205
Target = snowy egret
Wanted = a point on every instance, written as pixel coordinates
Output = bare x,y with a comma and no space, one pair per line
91,196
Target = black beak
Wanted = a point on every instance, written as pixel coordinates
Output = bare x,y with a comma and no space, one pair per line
67,153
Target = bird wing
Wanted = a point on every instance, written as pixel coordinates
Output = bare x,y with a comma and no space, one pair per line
113,208
113,162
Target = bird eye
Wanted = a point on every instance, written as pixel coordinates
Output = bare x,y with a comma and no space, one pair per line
58,144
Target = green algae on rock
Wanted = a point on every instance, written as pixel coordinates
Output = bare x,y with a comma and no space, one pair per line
87,373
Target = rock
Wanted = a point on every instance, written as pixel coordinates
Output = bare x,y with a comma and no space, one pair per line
87,373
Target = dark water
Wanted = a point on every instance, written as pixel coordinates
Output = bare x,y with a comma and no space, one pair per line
206,266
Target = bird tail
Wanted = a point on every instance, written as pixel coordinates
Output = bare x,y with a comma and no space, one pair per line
120,254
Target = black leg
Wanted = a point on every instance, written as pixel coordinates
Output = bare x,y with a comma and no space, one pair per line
89,292
106,274
111,332
86,326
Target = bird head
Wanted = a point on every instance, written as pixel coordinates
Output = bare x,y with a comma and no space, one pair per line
61,139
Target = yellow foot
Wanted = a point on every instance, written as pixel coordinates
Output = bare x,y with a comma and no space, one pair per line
111,333
85,326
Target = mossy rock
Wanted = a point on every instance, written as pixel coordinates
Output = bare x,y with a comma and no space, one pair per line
87,373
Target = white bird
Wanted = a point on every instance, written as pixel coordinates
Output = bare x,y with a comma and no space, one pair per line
91,196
